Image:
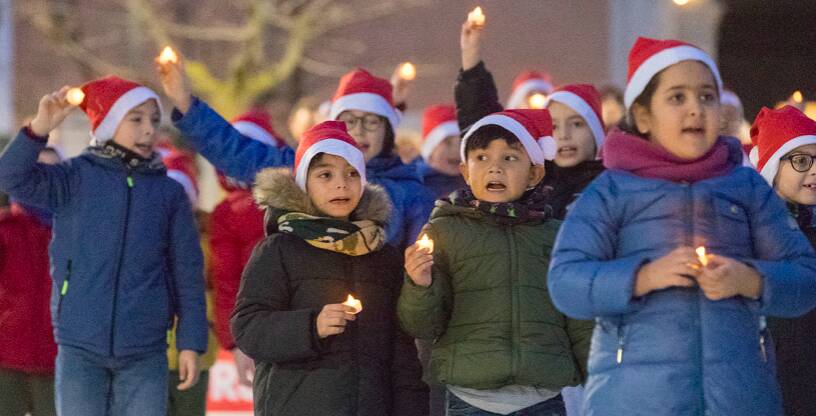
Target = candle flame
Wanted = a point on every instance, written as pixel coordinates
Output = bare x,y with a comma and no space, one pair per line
797,97
426,243
354,303
701,254
168,55
476,17
681,2
407,71
537,100
75,96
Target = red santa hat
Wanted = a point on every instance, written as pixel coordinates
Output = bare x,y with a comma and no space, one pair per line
776,133
182,168
332,138
585,100
533,128
257,125
528,82
438,123
108,100
361,91
650,56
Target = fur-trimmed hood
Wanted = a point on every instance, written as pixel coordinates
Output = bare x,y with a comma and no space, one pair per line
275,189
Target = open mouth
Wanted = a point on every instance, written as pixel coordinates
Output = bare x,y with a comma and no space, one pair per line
694,130
567,151
811,186
144,148
496,186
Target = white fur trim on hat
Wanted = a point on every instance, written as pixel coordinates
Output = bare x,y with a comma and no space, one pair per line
186,183
772,165
334,147
662,60
368,102
530,143
437,135
128,101
548,146
577,104
520,94
255,132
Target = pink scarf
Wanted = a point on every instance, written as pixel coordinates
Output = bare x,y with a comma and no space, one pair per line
640,157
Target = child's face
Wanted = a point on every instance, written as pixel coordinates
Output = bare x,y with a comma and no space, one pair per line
334,186
137,131
684,113
792,185
500,173
575,141
368,129
445,157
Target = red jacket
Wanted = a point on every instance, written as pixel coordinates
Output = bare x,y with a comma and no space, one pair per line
237,225
26,335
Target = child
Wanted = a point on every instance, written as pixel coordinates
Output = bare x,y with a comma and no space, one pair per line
576,114
785,145
440,150
500,346
325,241
527,84
125,254
673,335
363,101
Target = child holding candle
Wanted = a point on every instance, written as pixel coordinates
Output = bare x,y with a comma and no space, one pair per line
671,336
784,148
125,256
501,346
364,102
325,241
576,112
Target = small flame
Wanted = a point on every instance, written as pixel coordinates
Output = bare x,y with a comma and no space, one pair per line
407,71
168,55
476,17
797,97
75,96
681,2
701,254
354,303
426,243
537,100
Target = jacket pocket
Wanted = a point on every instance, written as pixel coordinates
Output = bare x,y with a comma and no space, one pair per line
63,289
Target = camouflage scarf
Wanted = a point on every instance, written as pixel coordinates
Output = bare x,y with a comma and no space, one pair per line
532,207
355,238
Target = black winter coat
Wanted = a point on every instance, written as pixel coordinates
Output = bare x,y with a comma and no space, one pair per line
476,97
370,369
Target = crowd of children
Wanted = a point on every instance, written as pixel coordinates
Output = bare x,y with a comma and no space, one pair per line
623,241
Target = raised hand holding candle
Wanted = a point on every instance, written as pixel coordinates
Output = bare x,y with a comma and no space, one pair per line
537,100
168,55
425,243
407,71
354,303
75,96
476,17
701,254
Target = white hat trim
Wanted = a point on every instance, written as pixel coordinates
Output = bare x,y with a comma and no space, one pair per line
520,93
530,144
255,132
772,165
186,183
334,147
662,60
580,106
368,102
126,102
437,135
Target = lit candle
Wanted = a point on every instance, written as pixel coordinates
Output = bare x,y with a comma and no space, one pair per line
407,71
797,97
537,100
476,17
354,303
701,254
425,243
168,55
75,96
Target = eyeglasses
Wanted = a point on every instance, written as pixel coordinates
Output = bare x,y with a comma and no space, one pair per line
800,162
371,122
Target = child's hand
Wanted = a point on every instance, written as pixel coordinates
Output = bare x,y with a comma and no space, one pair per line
678,268
52,110
333,318
189,369
725,277
470,41
418,263
245,367
174,82
401,86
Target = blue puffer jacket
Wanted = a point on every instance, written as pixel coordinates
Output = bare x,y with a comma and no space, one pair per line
674,352
125,259
241,158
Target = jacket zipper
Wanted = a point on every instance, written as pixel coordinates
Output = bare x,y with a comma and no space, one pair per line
621,332
129,182
763,332
64,289
697,306
514,296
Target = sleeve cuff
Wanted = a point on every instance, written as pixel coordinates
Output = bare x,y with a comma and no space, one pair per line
31,135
